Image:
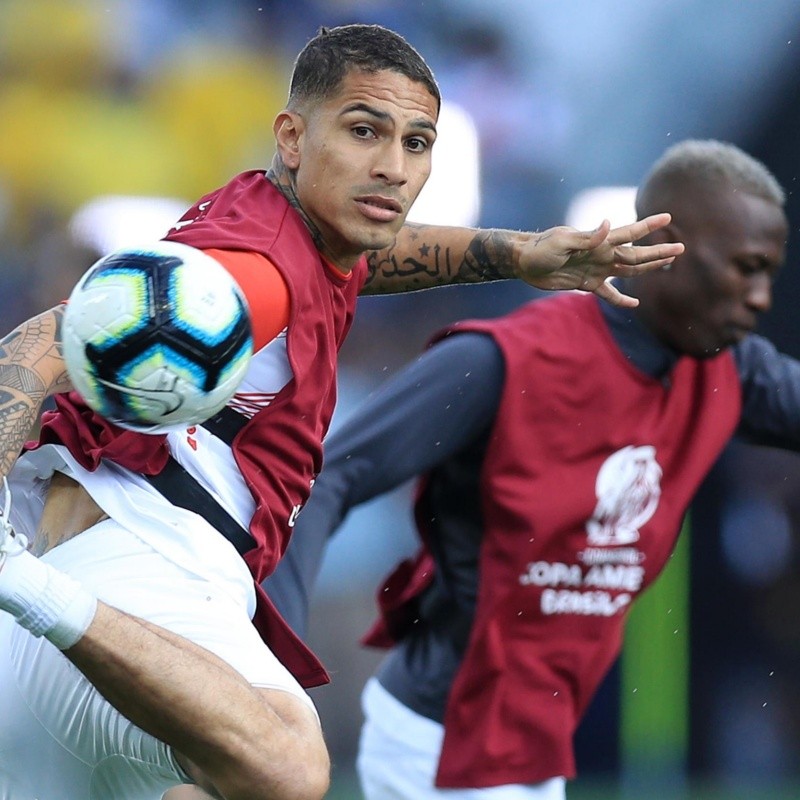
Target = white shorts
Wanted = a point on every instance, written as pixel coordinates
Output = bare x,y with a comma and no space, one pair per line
59,739
399,753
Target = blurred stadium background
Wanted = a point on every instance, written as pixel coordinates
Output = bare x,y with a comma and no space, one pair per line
116,114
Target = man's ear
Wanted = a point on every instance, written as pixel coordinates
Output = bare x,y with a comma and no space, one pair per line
288,129
668,234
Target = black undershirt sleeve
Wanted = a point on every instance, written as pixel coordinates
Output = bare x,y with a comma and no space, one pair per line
431,409
770,394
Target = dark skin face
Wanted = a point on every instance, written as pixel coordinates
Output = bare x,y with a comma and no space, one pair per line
711,296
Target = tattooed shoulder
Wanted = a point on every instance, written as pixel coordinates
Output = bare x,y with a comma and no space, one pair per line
35,347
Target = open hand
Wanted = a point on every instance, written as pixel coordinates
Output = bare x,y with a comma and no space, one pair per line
565,258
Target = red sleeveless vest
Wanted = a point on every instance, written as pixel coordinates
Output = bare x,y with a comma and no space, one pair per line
589,471
279,451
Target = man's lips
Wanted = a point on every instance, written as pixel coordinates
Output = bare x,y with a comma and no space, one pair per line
379,207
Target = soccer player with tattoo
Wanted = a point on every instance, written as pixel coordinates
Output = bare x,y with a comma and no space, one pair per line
137,649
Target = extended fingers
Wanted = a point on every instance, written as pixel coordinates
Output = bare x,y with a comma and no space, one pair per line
642,254
639,229
595,238
625,271
612,295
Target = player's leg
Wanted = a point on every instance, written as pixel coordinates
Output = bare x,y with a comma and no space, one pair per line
49,695
399,752
25,746
250,742
270,716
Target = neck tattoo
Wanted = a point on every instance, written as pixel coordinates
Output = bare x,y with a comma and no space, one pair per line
285,182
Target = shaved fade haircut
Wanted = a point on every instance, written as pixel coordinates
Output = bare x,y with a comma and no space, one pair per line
695,164
324,62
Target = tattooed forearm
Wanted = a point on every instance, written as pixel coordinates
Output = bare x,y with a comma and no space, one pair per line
390,270
489,257
424,256
31,368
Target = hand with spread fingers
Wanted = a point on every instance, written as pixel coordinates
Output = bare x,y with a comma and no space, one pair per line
565,258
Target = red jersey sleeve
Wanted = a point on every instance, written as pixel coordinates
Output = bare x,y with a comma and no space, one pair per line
265,290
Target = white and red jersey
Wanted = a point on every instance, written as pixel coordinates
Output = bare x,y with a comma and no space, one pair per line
288,396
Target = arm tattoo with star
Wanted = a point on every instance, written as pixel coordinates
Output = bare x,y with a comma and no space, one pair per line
23,356
424,256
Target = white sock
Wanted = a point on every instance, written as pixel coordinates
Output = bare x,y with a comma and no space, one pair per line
44,600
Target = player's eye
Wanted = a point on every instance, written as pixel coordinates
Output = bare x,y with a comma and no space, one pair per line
417,144
750,267
363,131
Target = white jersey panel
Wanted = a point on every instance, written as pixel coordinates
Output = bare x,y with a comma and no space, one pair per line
208,459
127,497
181,536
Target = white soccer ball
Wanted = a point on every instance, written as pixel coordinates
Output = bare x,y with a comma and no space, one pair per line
157,338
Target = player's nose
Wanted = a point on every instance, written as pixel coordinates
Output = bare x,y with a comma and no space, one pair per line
391,165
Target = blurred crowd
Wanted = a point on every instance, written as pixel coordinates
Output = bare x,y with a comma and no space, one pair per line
120,98
117,114
165,98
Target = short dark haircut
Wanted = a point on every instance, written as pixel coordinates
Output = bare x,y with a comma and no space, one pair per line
324,62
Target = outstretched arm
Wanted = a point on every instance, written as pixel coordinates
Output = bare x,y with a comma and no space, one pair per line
424,256
433,408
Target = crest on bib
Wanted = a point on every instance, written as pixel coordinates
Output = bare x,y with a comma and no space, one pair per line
628,489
